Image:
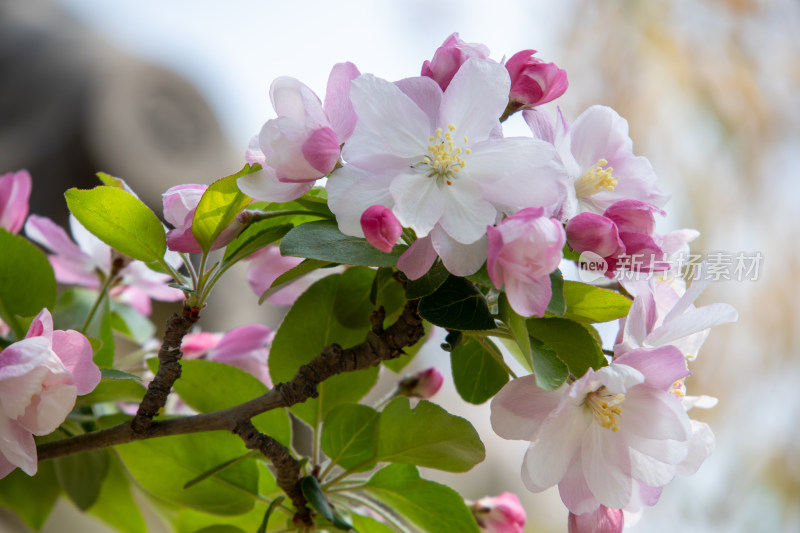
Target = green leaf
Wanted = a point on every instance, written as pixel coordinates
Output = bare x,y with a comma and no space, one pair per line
113,373
82,475
220,528
427,284
131,323
349,435
265,521
218,207
115,504
557,305
309,265
588,304
518,327
100,327
114,390
313,493
352,305
322,240
162,466
573,344
427,436
457,304
120,220
310,326
367,524
477,375
27,282
550,371
192,521
428,505
254,237
32,498
209,386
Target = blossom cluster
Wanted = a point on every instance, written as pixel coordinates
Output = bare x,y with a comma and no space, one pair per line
423,161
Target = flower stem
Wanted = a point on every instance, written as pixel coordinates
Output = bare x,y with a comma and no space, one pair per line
103,291
498,357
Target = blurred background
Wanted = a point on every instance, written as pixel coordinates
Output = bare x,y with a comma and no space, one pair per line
161,93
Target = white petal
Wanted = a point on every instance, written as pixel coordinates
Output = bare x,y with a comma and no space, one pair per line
426,93
294,99
692,322
475,98
466,214
264,185
606,465
701,445
351,191
650,471
653,415
574,491
459,259
419,203
17,445
557,441
521,406
389,123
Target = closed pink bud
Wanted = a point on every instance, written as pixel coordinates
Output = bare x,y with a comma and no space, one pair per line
590,232
602,520
534,82
180,203
500,514
381,227
422,384
449,57
15,190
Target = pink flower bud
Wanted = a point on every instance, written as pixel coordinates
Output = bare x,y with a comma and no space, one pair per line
381,227
523,250
40,378
15,191
500,514
534,82
590,232
180,203
423,384
602,520
449,57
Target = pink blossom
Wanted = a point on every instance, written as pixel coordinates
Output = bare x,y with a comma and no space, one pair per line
304,142
598,155
500,514
381,227
423,384
614,437
40,377
266,266
245,347
624,235
449,57
89,261
601,520
180,203
523,250
15,191
440,165
534,82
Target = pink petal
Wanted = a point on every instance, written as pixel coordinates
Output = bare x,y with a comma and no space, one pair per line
653,415
459,259
42,326
557,441
590,232
606,465
381,228
243,339
321,150
195,345
23,356
338,107
15,192
17,447
266,266
264,185
574,491
418,259
519,409
633,216
75,352
529,297
661,366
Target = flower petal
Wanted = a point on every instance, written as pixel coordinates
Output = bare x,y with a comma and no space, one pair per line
17,447
419,202
264,185
520,408
606,465
557,441
459,259
75,352
418,259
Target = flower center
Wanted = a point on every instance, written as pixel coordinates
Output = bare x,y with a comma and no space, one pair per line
606,407
443,159
596,179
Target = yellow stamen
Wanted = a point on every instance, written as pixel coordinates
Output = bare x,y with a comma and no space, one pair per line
606,407
596,179
444,157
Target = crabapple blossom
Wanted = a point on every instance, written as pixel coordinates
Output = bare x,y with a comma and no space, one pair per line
180,203
381,228
624,231
598,155
449,57
423,384
500,514
523,250
614,437
534,82
245,347
15,191
436,161
303,143
601,520
89,262
40,378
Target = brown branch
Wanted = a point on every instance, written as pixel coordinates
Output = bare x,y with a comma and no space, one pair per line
380,345
169,369
287,468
